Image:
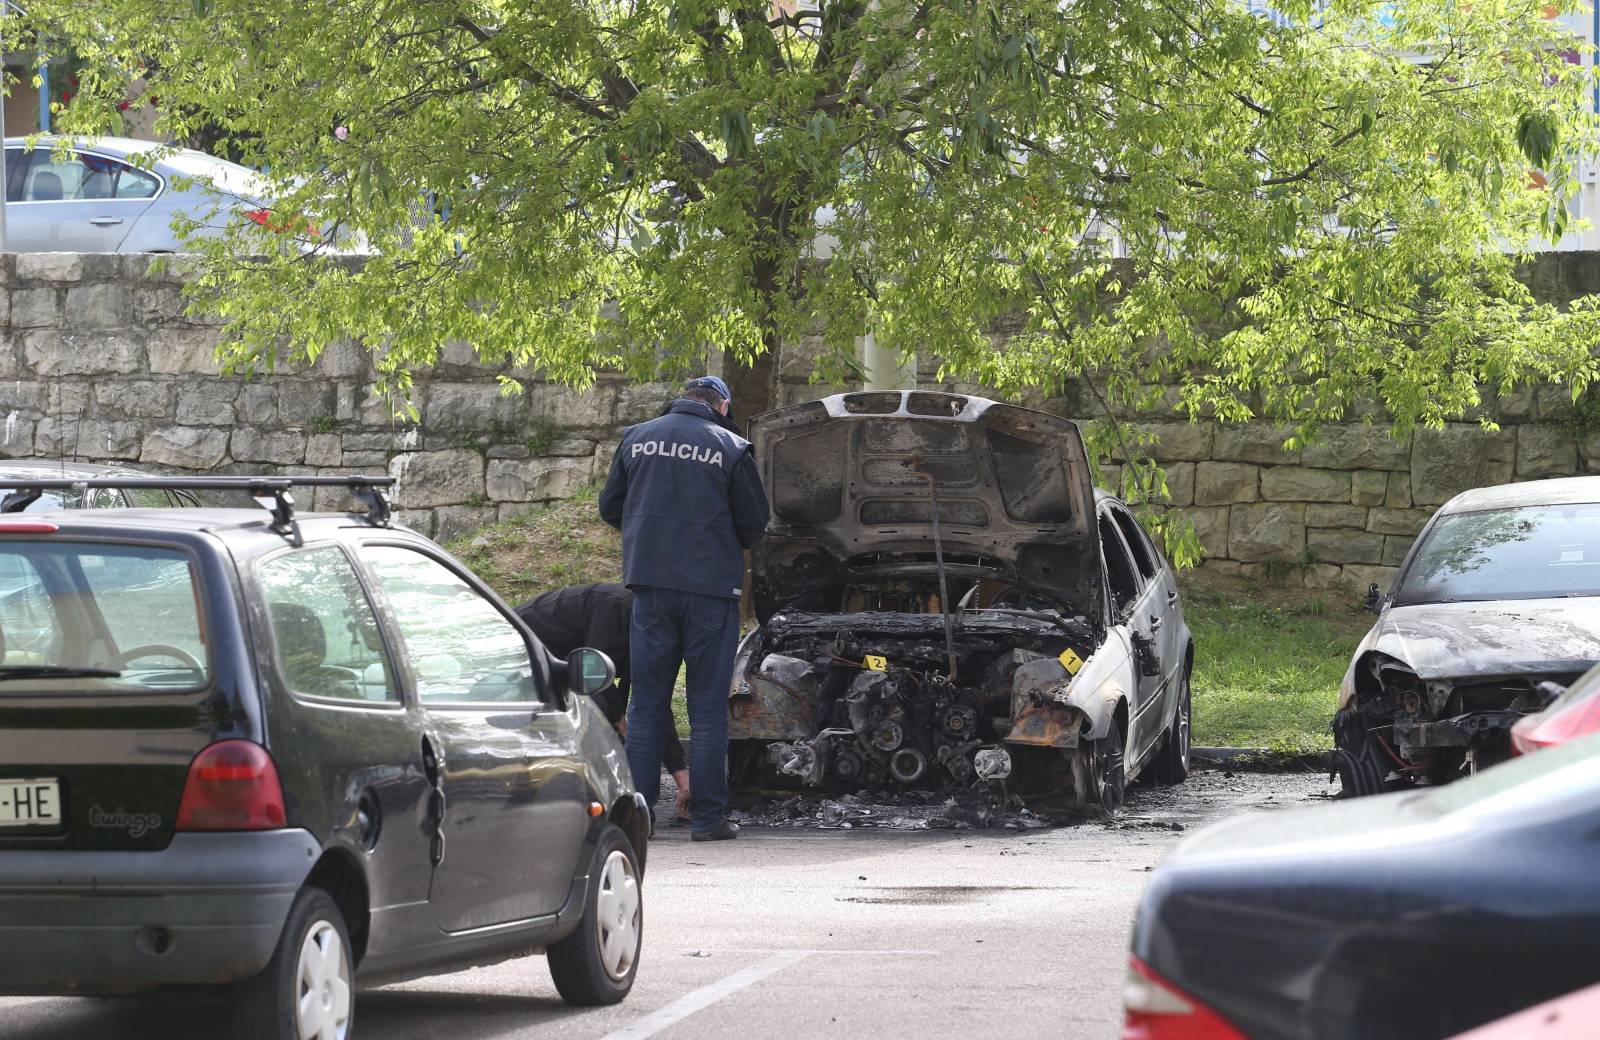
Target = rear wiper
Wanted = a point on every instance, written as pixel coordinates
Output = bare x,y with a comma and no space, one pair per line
54,671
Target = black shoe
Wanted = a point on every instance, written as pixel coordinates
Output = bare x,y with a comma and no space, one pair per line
723,831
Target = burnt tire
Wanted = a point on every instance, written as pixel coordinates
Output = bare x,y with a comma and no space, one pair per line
1108,775
307,991
1171,765
596,964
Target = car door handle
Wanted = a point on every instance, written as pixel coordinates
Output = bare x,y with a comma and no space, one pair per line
1155,623
1172,598
104,221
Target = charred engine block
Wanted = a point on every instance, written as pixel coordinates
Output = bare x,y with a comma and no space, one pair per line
900,724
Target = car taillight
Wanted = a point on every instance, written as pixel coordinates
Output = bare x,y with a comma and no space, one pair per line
28,528
1155,1009
232,786
1537,732
293,225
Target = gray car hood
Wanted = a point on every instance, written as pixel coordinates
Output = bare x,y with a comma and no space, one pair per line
1504,637
849,506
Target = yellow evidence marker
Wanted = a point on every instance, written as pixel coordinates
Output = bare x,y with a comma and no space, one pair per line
875,663
1070,661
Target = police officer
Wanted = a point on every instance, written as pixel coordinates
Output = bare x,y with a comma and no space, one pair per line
685,493
598,616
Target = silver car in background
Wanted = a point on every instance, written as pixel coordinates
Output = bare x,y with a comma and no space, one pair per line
99,196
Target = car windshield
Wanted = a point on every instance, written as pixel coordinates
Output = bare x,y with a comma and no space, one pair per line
92,616
1532,552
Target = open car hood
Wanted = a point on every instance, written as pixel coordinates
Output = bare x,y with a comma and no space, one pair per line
1016,502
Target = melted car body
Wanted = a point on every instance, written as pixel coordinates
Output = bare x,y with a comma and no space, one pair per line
937,608
1499,595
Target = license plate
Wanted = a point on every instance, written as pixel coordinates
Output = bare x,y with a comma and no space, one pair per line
29,803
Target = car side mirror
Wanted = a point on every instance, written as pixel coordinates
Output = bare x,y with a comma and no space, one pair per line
1374,602
589,671
1547,692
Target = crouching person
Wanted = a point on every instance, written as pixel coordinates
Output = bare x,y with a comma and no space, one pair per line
686,495
598,616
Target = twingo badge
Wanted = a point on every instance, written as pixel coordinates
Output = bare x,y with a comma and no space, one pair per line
875,663
1070,661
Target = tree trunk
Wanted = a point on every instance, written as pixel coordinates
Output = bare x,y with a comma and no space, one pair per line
754,386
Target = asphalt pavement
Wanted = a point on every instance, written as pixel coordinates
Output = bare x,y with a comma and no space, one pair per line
789,933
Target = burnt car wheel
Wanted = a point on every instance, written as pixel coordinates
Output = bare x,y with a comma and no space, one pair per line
597,963
1108,775
1172,761
305,992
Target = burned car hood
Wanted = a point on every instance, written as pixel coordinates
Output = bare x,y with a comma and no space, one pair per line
849,481
1502,637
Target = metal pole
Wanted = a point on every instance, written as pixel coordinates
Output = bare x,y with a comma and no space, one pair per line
5,194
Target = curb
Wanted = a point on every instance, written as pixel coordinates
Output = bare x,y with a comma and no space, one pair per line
1261,760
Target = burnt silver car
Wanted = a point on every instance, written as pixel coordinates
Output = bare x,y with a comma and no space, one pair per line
1499,595
945,598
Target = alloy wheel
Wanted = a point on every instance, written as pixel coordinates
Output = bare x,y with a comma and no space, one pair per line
618,915
322,994
1182,723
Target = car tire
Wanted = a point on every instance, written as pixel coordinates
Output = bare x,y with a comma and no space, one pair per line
596,965
1172,761
313,960
1108,773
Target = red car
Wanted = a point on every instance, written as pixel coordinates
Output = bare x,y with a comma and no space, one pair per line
1574,713
1571,1017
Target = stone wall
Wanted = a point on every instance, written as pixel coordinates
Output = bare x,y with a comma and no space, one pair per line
100,363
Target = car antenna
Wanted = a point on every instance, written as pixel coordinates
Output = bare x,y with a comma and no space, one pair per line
915,462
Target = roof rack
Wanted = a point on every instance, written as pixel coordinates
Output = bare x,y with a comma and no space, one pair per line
272,493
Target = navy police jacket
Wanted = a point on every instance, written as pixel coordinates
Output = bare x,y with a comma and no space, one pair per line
685,493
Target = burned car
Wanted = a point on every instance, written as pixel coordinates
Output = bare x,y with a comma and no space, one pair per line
1499,595
944,598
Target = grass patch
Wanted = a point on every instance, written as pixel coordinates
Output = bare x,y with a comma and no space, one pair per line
1268,663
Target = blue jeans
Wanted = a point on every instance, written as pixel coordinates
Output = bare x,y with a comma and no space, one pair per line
702,632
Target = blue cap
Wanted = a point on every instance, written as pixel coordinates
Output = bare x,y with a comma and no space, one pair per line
711,383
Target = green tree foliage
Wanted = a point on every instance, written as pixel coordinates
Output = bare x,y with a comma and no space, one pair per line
1320,212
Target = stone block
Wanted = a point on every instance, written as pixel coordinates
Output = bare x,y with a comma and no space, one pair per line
1448,461
16,437
1253,442
324,449
1515,405
35,308
207,402
639,402
1180,482
184,352
1222,483
1553,401
1360,576
56,436
368,459
455,521
141,399
252,445
157,305
23,396
537,480
105,305
1545,451
52,353
437,478
421,521
1367,487
1219,567
1180,441
1325,576
1405,522
1338,546
344,402
1398,495
1269,531
304,401
49,267
1211,527
1395,547
186,447
1357,446
258,404
569,410
1273,574
70,399
345,359
475,407
1336,516
1300,484
8,355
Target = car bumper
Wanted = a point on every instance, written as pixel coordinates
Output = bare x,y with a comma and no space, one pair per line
207,909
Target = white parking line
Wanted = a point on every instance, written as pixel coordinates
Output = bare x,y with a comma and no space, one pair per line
705,996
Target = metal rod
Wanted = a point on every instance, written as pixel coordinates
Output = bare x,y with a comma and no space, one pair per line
938,562
5,180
